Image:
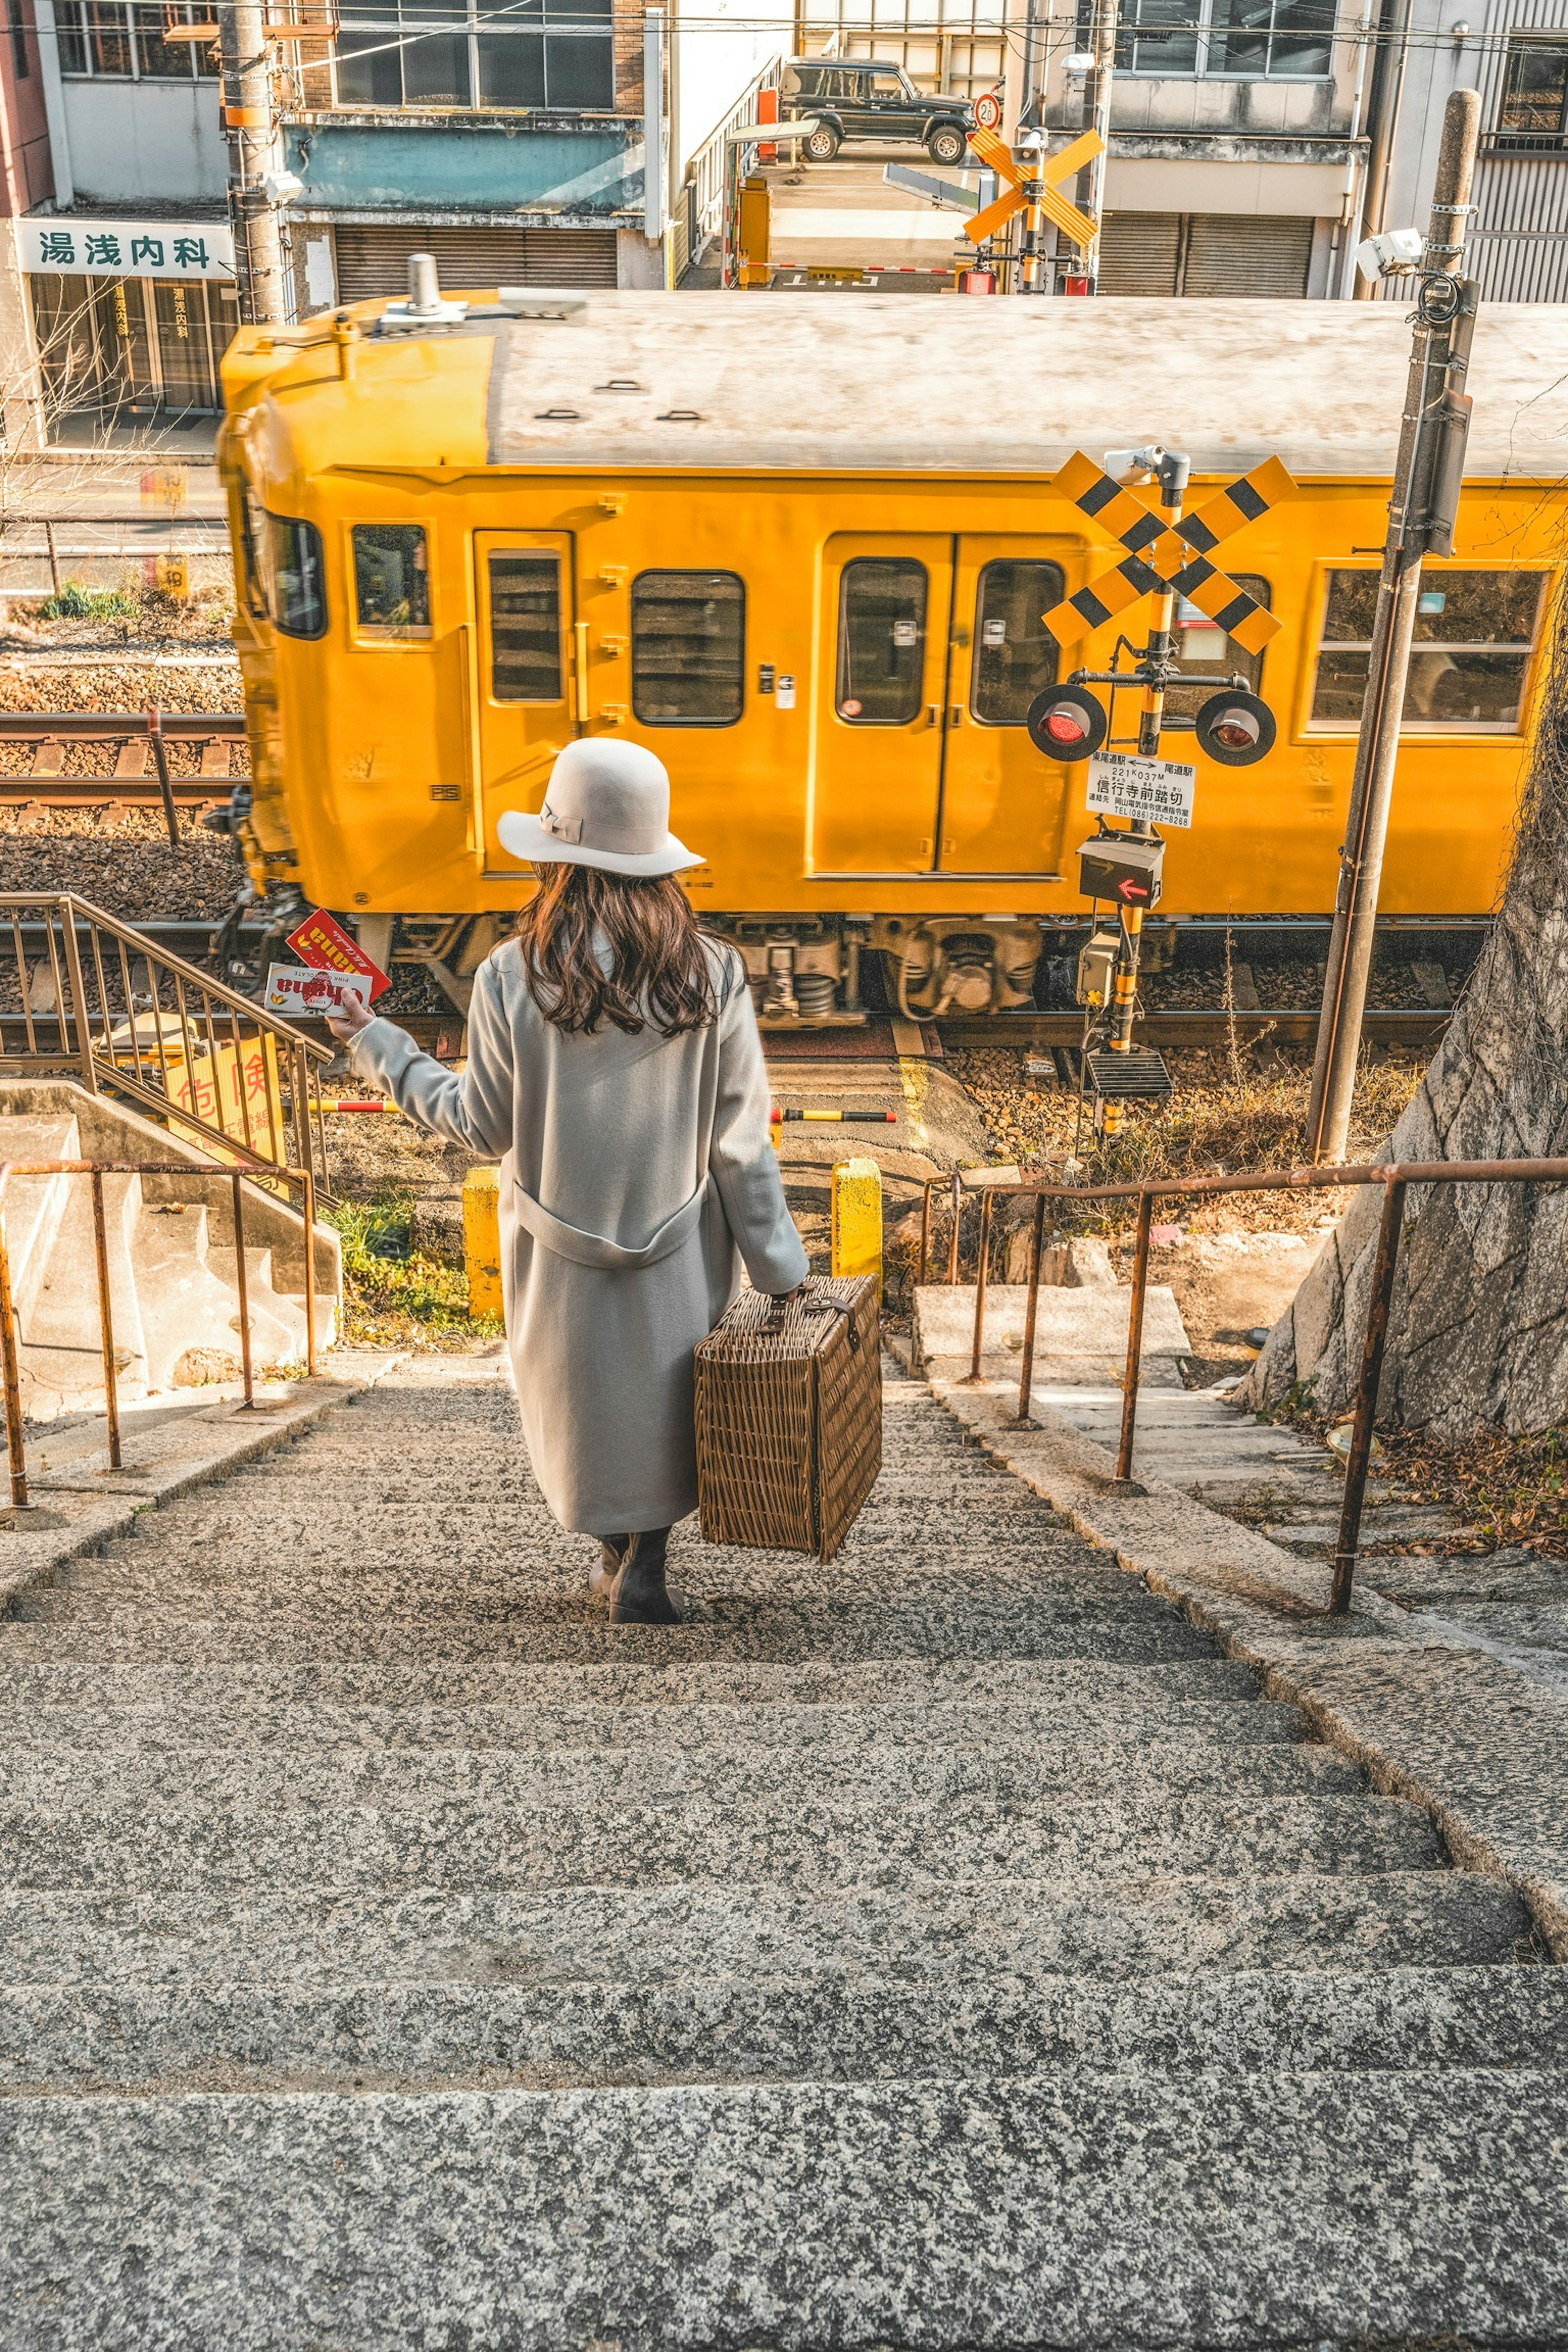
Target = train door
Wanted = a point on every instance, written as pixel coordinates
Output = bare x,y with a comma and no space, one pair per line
1003,806
527,670
882,664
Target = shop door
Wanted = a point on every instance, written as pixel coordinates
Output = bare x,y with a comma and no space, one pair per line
527,686
883,670
1003,805
934,648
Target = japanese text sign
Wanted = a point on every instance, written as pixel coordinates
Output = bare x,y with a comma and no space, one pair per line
1152,791
115,248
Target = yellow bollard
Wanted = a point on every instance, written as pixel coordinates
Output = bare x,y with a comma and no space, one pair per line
858,1219
482,1239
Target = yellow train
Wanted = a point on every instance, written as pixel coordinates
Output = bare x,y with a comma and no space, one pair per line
802,546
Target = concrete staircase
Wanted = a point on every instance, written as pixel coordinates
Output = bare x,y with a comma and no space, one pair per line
174,1285
943,1948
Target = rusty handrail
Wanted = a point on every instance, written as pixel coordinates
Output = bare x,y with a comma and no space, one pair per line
196,1037
1395,1176
10,1345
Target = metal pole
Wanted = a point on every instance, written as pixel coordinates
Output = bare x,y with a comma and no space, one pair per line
242,1286
1027,1371
54,559
247,120
1097,95
925,1230
1394,626
106,1320
986,1203
1384,1269
160,761
953,1238
15,1434
310,1271
1387,97
1135,1334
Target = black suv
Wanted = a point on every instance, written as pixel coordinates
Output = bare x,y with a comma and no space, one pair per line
858,99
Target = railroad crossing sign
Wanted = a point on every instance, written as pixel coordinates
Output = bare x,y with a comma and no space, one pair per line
1024,189
1168,558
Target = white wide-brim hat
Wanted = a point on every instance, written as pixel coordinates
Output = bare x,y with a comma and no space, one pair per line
607,804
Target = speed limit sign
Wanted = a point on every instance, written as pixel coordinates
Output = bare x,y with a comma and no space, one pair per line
988,110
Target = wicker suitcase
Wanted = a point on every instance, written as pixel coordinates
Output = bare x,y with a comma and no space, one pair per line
789,1418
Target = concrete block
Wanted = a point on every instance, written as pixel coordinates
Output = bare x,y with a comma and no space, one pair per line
1080,1335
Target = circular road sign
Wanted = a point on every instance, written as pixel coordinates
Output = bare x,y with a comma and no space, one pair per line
988,110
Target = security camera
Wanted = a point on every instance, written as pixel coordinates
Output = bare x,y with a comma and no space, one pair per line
281,187
1392,254
1134,464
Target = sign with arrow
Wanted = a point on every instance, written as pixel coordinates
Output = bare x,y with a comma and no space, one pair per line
1024,189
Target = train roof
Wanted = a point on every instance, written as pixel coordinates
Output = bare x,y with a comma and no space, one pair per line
897,384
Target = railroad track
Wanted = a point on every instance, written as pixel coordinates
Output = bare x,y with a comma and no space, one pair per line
111,758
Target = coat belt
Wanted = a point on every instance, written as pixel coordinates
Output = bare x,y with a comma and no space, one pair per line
596,1249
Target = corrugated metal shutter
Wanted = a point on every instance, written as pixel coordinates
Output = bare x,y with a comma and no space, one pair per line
1139,252
372,260
1241,253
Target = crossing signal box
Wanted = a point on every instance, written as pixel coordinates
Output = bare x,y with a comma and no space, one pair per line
1123,867
1066,722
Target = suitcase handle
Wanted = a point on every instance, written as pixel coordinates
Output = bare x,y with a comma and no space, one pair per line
819,1307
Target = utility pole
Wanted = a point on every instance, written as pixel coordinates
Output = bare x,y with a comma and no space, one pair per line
1421,510
1098,86
1384,108
248,122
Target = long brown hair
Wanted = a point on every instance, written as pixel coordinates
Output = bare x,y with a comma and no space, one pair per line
661,971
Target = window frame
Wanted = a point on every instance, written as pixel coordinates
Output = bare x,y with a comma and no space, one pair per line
992,563
859,564
381,634
1512,139
1431,731
1205,32
272,589
520,553
474,23
139,20
688,572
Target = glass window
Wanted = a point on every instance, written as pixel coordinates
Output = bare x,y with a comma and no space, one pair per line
882,641
689,648
1535,90
526,663
21,66
404,53
299,577
1016,656
1247,38
392,577
120,42
1475,631
1202,646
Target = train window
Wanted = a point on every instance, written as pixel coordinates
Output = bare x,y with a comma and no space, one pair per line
1475,631
526,664
1014,653
1202,646
689,648
882,641
299,577
253,553
391,578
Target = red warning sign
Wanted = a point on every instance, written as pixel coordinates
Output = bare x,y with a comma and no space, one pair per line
322,943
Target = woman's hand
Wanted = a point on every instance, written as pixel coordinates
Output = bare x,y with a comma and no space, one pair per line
351,1017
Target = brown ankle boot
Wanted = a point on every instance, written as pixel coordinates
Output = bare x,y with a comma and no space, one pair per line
641,1595
607,1567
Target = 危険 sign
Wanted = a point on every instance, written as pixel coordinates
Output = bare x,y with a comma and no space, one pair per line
105,248
1152,791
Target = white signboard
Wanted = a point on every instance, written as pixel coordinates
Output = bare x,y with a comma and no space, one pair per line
1155,791
119,248
291,988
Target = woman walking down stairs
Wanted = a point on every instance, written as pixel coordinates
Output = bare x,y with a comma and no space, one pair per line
943,1948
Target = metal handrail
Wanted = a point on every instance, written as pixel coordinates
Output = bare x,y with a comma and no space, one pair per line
97,1019
1396,1178
10,1345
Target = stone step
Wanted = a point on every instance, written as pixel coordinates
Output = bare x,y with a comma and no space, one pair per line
1274,2208
460,1842
1111,1926
627,1683
829,2026
735,1629
828,1730
859,1770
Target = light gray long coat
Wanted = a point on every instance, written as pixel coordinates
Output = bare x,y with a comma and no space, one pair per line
636,1172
